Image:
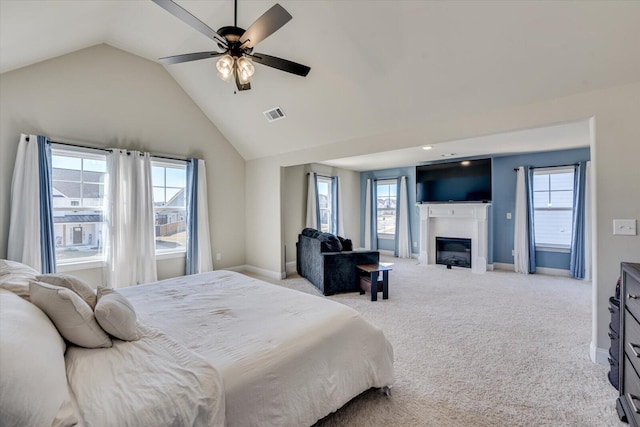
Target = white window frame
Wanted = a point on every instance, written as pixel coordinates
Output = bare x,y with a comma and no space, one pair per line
393,181
549,247
175,164
95,261
329,208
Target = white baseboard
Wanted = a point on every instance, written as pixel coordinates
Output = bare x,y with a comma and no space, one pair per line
257,270
599,355
547,271
290,267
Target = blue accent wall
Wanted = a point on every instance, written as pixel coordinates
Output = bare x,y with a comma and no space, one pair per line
504,199
414,218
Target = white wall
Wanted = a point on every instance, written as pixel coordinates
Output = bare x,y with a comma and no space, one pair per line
615,153
294,208
104,97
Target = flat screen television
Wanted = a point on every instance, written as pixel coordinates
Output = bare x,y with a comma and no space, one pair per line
460,181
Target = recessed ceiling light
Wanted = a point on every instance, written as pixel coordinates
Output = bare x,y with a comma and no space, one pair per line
427,147
465,163
448,154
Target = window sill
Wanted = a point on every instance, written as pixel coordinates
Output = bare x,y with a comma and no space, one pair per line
562,250
386,236
170,255
80,265
64,267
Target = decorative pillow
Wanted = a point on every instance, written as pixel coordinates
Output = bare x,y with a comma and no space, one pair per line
329,243
80,287
15,277
347,244
116,315
71,314
33,389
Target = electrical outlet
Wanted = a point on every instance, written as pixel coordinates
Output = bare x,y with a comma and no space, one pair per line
513,252
625,227
415,244
508,215
218,256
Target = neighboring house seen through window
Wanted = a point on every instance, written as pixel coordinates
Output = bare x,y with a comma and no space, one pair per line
169,181
386,208
553,207
78,201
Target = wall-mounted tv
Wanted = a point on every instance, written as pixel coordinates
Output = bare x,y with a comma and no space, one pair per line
460,181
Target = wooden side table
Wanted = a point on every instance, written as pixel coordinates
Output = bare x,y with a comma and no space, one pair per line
372,285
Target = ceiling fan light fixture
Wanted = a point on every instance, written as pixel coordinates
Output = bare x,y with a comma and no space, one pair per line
225,67
245,69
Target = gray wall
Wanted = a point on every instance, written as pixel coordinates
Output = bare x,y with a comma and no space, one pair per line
294,209
104,97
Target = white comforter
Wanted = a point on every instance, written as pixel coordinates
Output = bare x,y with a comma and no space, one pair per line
286,358
150,382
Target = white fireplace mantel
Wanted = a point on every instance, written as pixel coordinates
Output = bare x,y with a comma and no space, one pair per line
459,220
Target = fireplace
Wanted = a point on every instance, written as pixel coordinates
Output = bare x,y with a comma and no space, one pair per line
452,251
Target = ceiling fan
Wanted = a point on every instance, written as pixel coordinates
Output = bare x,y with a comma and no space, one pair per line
236,44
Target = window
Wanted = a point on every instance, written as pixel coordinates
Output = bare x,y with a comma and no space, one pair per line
169,180
325,203
78,199
386,208
553,207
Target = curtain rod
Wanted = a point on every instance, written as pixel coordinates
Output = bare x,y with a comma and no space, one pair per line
547,167
108,150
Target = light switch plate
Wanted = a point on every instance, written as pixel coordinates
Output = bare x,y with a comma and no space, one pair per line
624,227
508,215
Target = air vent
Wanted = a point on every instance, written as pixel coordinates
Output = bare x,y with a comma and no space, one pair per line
274,114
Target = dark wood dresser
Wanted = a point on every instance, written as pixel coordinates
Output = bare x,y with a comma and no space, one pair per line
628,403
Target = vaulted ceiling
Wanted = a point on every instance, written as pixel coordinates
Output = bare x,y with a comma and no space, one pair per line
376,66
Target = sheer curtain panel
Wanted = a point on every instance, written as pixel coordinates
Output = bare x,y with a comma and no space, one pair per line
588,223
198,240
337,198
131,257
522,236
403,239
313,212
31,239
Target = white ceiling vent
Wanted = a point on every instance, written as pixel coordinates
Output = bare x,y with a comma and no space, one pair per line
274,114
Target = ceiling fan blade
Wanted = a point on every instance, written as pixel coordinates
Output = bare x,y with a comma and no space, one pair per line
186,17
240,86
188,57
264,26
281,64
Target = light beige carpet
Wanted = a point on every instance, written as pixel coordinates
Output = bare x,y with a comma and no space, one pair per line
494,349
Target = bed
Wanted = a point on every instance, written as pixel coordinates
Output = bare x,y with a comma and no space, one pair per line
221,348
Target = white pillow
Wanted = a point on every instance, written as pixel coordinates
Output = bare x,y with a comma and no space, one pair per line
77,285
33,379
71,314
15,277
116,315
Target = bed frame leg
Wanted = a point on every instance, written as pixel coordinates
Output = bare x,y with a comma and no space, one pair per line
386,390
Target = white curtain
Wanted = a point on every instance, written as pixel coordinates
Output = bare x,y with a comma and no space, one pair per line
204,262
130,243
24,226
312,202
588,222
521,235
367,216
404,244
339,209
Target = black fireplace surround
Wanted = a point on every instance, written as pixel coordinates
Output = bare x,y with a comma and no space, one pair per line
451,251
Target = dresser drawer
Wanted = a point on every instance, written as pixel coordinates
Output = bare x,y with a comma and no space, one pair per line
632,292
632,339
631,393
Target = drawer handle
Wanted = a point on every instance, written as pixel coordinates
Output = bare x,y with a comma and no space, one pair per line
631,398
634,348
631,296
